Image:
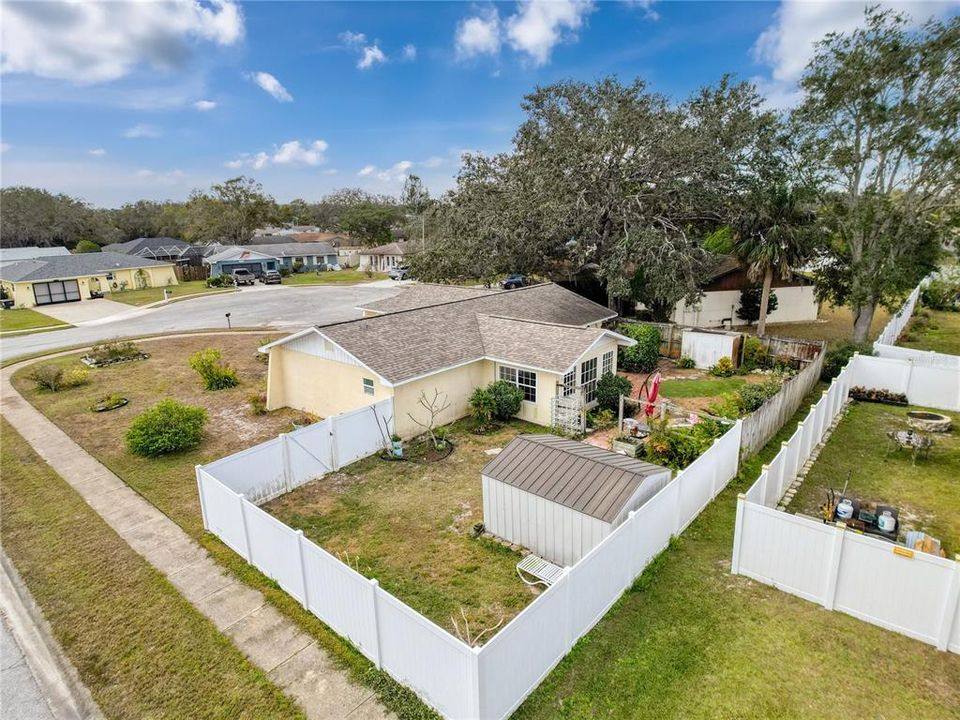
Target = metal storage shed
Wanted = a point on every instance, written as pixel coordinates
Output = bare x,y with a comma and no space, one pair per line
559,497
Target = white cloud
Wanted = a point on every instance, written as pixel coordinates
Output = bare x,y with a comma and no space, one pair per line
409,52
786,45
293,153
371,56
97,152
434,161
270,84
330,171
647,6
204,105
539,25
4,147
352,38
396,173
98,42
143,130
478,35
367,170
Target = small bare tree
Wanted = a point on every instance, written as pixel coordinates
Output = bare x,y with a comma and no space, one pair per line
433,407
465,634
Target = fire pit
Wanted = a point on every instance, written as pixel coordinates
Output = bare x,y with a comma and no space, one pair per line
928,421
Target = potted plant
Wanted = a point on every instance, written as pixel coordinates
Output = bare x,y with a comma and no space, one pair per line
397,445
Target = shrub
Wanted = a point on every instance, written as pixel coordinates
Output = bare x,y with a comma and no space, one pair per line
677,447
686,363
601,419
942,294
482,405
298,266
609,389
755,355
836,358
284,272
263,357
723,368
86,246
222,280
258,403
506,399
749,309
55,377
643,356
216,374
752,395
728,406
108,402
167,427
114,350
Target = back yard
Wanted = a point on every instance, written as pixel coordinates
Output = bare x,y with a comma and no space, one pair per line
927,492
933,330
409,524
834,325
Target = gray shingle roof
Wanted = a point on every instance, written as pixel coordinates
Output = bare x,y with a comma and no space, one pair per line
424,295
28,253
582,477
58,267
535,344
294,249
401,247
406,344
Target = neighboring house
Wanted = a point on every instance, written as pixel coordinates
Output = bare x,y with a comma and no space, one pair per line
14,254
275,256
545,340
384,257
70,278
718,307
560,497
165,249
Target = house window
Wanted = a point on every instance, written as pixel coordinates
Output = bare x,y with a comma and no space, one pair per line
368,386
526,380
607,363
588,378
569,383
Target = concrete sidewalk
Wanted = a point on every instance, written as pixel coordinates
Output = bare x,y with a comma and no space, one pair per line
291,658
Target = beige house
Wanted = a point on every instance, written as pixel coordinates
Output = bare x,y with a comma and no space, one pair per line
55,279
384,257
544,339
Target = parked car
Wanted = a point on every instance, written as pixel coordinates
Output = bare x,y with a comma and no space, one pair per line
401,272
271,277
242,276
513,281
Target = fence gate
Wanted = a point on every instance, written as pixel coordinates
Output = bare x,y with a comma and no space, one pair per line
568,414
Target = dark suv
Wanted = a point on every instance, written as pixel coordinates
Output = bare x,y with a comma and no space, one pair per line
271,277
513,281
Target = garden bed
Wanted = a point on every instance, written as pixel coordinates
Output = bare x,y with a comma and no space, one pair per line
411,525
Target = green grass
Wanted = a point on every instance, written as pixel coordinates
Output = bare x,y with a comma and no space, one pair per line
692,641
332,276
27,319
834,325
702,387
409,524
141,649
940,332
927,493
155,294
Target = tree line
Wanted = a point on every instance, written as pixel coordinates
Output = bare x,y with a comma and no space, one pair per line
229,212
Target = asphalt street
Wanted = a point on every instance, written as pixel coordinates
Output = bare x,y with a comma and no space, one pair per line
289,308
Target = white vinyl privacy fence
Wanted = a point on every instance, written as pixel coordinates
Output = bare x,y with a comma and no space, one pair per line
899,321
457,680
906,591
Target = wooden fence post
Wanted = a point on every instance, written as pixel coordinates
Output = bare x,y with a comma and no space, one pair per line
738,535
303,571
833,566
374,588
949,608
246,532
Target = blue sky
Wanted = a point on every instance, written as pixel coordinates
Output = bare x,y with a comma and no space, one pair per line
113,102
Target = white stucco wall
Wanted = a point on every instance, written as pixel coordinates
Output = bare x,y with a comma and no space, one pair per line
794,304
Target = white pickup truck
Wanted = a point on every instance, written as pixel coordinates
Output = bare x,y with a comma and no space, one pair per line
242,276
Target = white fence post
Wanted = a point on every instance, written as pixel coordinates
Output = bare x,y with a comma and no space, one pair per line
334,460
833,566
568,611
764,481
374,588
738,535
474,688
949,608
203,503
246,532
285,461
303,570
715,474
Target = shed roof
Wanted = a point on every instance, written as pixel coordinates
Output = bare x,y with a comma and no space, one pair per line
582,477
58,267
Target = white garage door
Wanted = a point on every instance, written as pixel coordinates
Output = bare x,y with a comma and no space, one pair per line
58,291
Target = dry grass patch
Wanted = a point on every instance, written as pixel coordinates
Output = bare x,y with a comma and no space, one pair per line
409,525
834,325
168,482
935,330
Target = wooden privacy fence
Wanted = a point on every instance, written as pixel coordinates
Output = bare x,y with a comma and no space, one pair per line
803,350
185,273
671,336
457,680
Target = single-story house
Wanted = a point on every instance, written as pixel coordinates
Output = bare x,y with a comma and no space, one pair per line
271,256
165,249
420,295
560,498
69,278
384,257
545,340
718,307
13,254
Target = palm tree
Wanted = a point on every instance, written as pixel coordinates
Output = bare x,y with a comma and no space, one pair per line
773,235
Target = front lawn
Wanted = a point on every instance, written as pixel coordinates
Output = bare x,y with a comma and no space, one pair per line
27,319
689,640
409,524
155,294
927,493
332,276
141,649
933,330
834,325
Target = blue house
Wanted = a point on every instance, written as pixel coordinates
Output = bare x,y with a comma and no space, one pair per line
260,258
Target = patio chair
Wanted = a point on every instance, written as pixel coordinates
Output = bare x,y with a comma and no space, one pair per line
543,571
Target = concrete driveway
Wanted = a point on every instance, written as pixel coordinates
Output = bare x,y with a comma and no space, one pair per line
85,311
288,308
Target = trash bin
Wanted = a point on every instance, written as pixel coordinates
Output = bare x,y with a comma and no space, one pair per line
166,293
